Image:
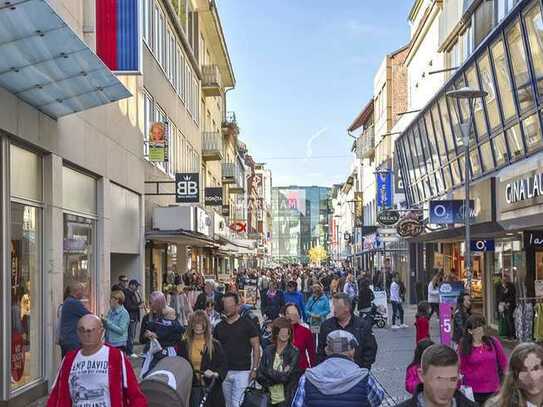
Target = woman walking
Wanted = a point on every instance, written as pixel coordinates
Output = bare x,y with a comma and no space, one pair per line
207,359
317,308
482,360
279,365
302,339
523,384
272,301
433,293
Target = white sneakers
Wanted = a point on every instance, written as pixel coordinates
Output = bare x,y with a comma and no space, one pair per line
404,326
399,326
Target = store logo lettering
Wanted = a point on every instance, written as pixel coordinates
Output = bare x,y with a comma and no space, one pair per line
187,187
524,188
536,241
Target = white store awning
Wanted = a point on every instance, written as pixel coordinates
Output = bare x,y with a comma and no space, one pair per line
45,63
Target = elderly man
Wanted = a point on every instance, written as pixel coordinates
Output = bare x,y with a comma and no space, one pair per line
72,310
338,380
96,374
209,293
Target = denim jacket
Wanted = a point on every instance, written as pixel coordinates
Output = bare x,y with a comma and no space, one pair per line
116,324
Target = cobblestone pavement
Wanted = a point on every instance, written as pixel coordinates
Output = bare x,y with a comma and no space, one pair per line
396,349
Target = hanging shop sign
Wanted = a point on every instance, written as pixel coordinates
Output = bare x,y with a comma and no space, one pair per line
384,189
158,142
408,227
388,217
533,239
187,187
203,222
225,210
213,196
358,209
449,212
347,237
486,245
239,227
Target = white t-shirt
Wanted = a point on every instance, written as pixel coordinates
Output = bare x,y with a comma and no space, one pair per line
89,380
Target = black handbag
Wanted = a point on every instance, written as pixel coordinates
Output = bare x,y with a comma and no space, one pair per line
253,397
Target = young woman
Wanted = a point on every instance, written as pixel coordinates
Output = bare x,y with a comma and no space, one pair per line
482,359
461,315
433,293
422,321
412,379
272,301
279,364
523,384
206,357
302,338
116,322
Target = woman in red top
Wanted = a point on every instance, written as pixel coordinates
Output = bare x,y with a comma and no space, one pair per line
301,338
422,321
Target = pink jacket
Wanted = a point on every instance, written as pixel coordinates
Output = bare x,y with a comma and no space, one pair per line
480,367
412,379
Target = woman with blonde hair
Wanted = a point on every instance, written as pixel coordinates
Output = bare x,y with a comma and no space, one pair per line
206,357
523,384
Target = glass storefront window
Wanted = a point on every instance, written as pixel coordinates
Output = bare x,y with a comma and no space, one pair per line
26,285
455,171
444,114
447,177
504,81
532,133
514,139
534,27
487,84
500,150
520,67
486,157
79,255
433,116
478,111
428,147
475,162
439,182
453,109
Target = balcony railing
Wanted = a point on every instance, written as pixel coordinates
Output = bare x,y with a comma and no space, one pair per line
212,146
211,80
229,124
365,144
233,176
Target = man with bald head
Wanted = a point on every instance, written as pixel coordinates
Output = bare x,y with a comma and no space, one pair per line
72,310
96,374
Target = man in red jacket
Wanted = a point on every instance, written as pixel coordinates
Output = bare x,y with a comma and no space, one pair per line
96,374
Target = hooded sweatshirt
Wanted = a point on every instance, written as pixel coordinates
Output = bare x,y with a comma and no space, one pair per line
340,382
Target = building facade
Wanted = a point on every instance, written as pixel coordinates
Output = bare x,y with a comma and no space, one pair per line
300,219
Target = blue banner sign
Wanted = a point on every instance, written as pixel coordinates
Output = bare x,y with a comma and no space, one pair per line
486,245
384,189
449,212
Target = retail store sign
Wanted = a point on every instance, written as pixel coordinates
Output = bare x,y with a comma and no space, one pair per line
533,239
408,227
486,245
450,212
388,217
521,191
187,187
203,221
213,196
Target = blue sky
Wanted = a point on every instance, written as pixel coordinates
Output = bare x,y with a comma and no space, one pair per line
304,69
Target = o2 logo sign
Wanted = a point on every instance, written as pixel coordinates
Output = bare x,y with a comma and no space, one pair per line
482,245
187,187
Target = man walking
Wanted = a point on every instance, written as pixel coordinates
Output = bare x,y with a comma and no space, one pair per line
359,327
72,310
440,377
132,303
96,374
396,301
239,338
351,289
338,381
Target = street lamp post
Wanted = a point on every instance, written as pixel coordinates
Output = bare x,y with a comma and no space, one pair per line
470,95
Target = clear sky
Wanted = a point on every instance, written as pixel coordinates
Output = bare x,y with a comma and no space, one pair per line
304,70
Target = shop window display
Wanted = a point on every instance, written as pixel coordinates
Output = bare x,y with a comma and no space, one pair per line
25,295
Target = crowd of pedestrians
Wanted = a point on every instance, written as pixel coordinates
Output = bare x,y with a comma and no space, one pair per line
313,345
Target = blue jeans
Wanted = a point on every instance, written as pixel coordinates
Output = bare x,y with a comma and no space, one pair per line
397,311
131,336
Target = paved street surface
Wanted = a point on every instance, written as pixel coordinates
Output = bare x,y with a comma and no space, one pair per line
396,349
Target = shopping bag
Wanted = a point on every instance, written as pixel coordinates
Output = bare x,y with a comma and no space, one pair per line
468,392
253,397
154,346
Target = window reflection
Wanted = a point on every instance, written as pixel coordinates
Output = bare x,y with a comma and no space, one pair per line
475,162
514,139
447,177
478,112
504,82
444,114
433,116
534,27
500,150
486,157
453,109
487,84
455,172
531,133
520,67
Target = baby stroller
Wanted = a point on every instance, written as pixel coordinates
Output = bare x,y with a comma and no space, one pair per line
169,383
377,317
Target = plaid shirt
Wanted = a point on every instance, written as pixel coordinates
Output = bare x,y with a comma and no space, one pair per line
375,393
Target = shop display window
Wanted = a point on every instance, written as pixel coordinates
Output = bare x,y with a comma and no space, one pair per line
79,255
26,285
509,264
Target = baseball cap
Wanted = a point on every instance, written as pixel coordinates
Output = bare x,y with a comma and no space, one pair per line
340,341
134,282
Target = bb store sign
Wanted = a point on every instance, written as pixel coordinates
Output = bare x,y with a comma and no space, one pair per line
187,187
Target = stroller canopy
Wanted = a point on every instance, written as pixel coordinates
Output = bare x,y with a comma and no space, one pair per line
170,381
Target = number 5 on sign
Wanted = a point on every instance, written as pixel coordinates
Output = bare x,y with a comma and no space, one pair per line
445,316
447,325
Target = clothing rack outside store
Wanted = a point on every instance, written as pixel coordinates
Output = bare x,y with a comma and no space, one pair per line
530,298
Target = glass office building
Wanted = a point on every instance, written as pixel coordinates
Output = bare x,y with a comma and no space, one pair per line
506,166
300,221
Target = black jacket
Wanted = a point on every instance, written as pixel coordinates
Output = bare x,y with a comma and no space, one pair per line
132,302
217,364
459,322
461,400
202,298
361,328
272,306
365,297
169,333
267,376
